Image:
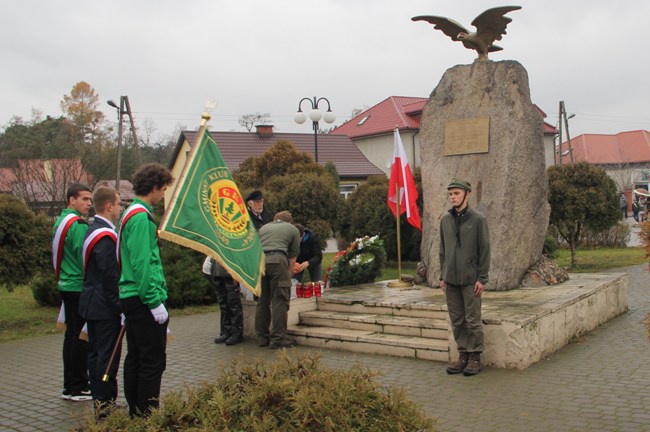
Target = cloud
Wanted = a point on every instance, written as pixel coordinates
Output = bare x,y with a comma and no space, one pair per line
170,57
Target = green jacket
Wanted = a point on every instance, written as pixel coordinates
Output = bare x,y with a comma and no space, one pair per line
142,271
465,258
71,277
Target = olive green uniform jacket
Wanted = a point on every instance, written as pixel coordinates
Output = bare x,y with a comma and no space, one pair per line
464,248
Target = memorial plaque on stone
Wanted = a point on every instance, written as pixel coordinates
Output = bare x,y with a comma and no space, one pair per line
467,136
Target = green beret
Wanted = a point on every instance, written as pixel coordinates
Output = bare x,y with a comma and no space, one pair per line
460,184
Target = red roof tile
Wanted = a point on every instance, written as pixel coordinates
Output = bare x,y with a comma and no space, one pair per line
401,111
601,149
235,147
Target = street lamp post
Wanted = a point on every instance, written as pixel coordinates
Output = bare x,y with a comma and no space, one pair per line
120,113
315,115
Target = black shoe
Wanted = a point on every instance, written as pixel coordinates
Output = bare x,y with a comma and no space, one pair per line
221,339
285,344
234,340
460,365
263,343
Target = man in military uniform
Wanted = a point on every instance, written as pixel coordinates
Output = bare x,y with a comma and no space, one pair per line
464,268
281,244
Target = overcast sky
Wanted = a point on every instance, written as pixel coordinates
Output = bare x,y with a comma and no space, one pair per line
170,57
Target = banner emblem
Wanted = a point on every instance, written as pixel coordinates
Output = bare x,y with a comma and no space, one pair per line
226,206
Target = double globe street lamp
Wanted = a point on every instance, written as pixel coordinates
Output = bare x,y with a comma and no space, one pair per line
315,115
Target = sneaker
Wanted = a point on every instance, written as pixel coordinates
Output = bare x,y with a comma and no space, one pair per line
66,395
460,365
284,344
473,365
83,395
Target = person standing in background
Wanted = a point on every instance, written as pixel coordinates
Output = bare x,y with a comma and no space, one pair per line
281,243
310,257
255,204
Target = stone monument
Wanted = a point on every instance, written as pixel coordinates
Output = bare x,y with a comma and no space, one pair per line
480,125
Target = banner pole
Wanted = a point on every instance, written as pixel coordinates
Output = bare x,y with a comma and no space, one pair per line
205,118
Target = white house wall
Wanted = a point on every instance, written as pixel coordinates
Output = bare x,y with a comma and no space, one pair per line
379,149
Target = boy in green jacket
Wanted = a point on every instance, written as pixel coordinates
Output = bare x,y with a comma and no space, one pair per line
143,291
67,242
464,269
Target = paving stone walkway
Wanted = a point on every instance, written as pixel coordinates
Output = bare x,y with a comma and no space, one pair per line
599,383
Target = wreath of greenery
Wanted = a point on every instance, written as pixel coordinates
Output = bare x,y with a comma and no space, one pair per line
360,263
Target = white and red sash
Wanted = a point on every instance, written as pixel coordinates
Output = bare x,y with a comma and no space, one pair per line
130,212
59,241
93,239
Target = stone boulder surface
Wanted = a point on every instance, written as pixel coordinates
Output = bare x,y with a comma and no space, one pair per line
509,184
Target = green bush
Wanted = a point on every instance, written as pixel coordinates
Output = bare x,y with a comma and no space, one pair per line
25,238
312,199
183,272
367,213
45,290
294,393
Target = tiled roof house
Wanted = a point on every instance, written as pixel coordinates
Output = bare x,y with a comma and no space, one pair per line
235,147
372,130
625,155
42,183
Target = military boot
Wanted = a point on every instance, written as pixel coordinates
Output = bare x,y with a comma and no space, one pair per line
460,365
473,365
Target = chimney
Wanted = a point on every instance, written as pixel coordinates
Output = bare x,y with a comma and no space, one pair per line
264,131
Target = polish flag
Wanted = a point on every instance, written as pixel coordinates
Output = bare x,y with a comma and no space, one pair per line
400,175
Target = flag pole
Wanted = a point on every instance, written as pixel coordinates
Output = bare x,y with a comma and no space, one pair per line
399,283
399,239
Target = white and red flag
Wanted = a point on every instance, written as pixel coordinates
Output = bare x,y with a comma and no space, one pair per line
402,178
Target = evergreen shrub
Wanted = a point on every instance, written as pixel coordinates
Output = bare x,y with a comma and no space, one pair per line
25,242
294,393
45,290
186,284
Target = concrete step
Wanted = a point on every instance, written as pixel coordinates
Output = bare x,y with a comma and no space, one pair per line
414,310
378,323
369,342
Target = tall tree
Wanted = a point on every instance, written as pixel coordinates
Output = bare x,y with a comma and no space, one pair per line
581,195
80,108
93,144
292,181
249,121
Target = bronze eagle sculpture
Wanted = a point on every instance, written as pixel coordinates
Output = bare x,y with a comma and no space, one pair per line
490,26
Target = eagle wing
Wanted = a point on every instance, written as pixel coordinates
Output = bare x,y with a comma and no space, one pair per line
491,24
448,26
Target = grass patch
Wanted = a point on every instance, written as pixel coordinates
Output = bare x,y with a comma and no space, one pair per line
601,259
21,316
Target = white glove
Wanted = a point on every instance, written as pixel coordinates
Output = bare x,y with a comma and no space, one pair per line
122,320
160,314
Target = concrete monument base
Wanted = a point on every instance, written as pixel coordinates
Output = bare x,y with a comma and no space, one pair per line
522,326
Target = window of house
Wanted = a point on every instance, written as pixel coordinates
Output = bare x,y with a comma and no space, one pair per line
347,189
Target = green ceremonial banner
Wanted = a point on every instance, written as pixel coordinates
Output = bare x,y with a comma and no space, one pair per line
207,213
